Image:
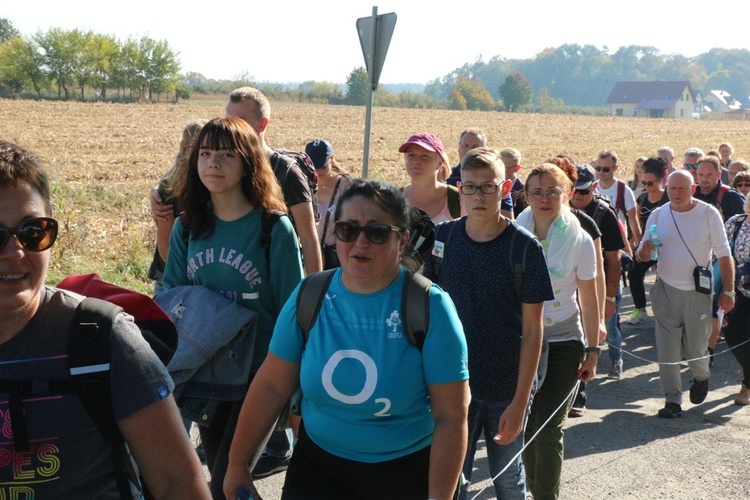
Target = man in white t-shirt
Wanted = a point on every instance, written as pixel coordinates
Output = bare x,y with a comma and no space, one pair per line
618,191
689,231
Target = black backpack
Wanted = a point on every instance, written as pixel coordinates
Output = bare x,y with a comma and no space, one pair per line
415,304
305,164
519,243
415,308
89,341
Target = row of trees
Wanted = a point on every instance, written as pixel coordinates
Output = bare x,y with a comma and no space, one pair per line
583,75
68,60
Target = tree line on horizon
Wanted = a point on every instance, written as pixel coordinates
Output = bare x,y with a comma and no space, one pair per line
570,78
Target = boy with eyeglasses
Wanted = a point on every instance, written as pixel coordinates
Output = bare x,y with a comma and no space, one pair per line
503,331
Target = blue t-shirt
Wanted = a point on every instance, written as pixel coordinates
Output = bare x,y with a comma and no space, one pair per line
364,387
478,277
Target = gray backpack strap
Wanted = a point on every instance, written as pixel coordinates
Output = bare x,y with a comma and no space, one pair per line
415,307
310,298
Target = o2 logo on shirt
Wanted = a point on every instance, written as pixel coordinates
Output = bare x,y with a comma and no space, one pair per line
371,380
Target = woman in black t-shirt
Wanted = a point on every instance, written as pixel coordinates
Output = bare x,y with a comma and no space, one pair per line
654,170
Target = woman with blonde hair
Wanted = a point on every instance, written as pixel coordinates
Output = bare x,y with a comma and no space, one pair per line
571,331
163,200
427,166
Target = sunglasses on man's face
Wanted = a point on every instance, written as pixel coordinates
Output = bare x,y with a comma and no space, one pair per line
606,170
690,166
35,235
583,192
378,234
649,183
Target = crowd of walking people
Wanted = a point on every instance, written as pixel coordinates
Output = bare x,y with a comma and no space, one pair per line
383,331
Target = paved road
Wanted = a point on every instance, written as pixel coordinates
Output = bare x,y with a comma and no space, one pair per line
620,449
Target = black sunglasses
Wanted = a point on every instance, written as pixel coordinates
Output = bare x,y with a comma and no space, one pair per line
378,234
649,183
583,192
35,235
603,169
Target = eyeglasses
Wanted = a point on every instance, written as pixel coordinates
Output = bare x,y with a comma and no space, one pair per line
485,188
583,192
649,183
606,170
742,184
35,235
690,166
550,195
378,234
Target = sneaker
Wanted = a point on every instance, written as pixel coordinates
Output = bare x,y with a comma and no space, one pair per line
670,410
637,316
698,391
576,412
269,465
616,371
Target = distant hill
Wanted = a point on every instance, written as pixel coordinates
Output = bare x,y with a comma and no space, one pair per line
397,88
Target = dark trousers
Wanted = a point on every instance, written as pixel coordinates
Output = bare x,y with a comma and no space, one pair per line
543,457
217,438
636,276
316,474
737,332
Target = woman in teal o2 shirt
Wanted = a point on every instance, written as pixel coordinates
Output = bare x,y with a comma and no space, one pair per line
380,419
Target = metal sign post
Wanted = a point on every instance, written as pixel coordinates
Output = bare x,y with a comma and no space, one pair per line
375,34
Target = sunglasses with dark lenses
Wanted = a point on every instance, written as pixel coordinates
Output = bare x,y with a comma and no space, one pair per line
583,192
375,233
603,169
649,183
35,235
690,166
742,185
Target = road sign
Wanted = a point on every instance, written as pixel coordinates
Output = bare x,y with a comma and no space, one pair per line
384,25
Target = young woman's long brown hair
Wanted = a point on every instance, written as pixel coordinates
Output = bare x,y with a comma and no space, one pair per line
259,184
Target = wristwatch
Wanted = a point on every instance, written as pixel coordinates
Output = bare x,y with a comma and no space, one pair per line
730,294
597,350
612,299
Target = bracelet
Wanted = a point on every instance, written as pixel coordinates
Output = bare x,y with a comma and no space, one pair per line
597,350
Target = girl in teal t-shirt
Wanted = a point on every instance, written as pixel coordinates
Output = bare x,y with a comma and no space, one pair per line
228,187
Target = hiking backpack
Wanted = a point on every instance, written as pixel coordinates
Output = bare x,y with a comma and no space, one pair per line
519,243
305,164
415,304
415,309
89,352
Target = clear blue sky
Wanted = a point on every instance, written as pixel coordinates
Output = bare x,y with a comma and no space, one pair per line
300,40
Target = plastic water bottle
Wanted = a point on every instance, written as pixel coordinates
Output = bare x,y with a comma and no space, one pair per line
653,236
244,494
